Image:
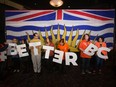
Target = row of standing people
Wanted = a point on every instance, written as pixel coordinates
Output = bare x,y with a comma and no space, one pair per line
63,46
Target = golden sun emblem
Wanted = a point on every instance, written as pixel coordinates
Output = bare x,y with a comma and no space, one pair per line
71,41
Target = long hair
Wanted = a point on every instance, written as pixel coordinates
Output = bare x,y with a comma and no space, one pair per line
62,40
24,40
84,37
49,40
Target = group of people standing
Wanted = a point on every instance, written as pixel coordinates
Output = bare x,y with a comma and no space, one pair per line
63,46
86,59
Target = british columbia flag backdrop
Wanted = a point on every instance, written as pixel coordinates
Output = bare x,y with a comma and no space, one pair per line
70,23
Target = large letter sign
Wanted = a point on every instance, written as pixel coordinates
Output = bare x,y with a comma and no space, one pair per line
47,48
22,50
71,60
91,49
70,57
100,51
58,58
13,50
34,45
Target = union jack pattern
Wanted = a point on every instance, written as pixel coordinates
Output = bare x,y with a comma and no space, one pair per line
94,21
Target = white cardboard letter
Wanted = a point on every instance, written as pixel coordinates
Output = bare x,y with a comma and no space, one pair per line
22,50
71,60
34,45
13,50
58,58
47,53
90,50
100,51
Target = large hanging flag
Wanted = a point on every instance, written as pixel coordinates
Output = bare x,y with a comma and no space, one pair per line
57,24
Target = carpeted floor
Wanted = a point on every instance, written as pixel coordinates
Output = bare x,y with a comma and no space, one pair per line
72,78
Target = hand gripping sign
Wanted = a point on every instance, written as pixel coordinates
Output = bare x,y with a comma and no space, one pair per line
18,49
13,49
22,50
70,57
91,49
34,46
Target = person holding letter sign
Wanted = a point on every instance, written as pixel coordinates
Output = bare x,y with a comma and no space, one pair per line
99,61
3,60
15,57
63,46
35,46
25,60
85,58
50,64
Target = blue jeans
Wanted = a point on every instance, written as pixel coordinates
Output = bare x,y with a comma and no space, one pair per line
85,64
99,62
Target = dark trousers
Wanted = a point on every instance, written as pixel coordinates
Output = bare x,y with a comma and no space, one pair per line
99,62
93,63
9,62
85,65
62,67
25,64
50,64
2,69
16,63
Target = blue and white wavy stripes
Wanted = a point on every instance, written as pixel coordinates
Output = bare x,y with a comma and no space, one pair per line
106,30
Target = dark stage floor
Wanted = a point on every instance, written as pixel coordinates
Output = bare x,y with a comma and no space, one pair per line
72,78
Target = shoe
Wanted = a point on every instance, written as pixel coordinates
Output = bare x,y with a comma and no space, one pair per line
18,70
94,72
99,72
88,72
83,72
14,70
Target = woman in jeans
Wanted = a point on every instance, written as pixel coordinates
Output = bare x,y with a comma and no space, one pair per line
85,63
99,61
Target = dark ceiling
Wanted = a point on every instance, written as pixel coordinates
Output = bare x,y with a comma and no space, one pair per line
68,4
